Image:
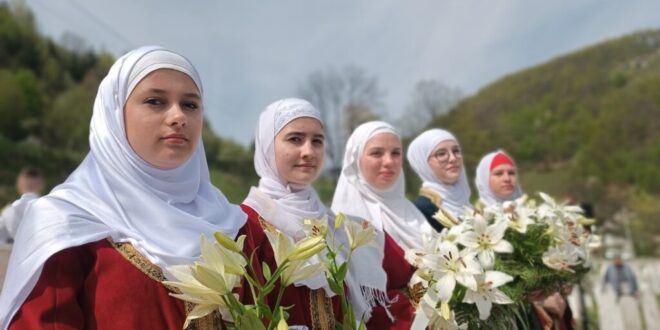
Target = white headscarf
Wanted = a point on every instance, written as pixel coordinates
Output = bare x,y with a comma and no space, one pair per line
114,193
387,210
482,181
455,197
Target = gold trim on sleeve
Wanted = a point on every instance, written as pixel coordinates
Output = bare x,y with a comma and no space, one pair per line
432,195
130,253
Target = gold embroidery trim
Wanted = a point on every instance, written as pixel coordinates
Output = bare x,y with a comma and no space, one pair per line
130,253
267,226
320,307
432,195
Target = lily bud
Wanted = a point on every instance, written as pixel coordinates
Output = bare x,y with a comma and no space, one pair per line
445,218
227,242
308,247
339,220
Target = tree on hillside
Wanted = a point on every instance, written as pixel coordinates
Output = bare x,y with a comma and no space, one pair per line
429,99
345,98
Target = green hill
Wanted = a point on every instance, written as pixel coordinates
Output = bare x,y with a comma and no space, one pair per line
46,105
584,125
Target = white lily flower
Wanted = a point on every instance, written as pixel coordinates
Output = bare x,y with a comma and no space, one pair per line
205,294
551,211
487,293
485,240
517,215
562,257
449,266
221,259
315,227
453,234
298,269
359,233
435,317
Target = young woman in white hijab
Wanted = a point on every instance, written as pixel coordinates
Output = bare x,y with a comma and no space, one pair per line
497,178
90,254
288,157
437,158
371,186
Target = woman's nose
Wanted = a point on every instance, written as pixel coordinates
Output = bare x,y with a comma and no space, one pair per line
176,116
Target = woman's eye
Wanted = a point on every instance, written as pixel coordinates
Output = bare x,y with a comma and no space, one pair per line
318,142
154,101
191,105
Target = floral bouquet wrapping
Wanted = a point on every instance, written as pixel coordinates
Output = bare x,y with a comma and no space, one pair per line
481,269
210,283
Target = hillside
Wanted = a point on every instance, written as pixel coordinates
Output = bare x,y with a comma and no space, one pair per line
584,125
46,98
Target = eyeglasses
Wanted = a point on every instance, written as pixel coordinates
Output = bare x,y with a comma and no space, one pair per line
442,155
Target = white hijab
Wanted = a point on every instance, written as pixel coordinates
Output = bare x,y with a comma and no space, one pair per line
388,210
455,197
114,193
482,181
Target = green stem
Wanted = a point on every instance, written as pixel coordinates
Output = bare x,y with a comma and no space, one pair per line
229,306
255,279
272,324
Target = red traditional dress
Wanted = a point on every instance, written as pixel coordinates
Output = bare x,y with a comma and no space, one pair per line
103,285
310,308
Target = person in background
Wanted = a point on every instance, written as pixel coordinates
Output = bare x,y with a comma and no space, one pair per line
92,254
437,158
29,185
621,278
371,186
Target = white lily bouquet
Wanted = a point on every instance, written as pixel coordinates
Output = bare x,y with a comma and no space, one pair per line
499,255
210,283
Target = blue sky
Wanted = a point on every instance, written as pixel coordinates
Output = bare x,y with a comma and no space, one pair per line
251,53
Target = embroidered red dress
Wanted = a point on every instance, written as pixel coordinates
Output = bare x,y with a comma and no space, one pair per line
101,285
94,286
311,308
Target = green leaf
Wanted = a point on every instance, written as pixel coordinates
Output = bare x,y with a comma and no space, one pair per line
336,288
266,270
341,274
250,321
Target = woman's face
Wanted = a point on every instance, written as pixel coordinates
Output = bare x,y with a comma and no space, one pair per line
299,150
163,118
503,180
446,161
380,162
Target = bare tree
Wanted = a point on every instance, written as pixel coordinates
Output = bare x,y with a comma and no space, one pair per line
345,98
430,99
